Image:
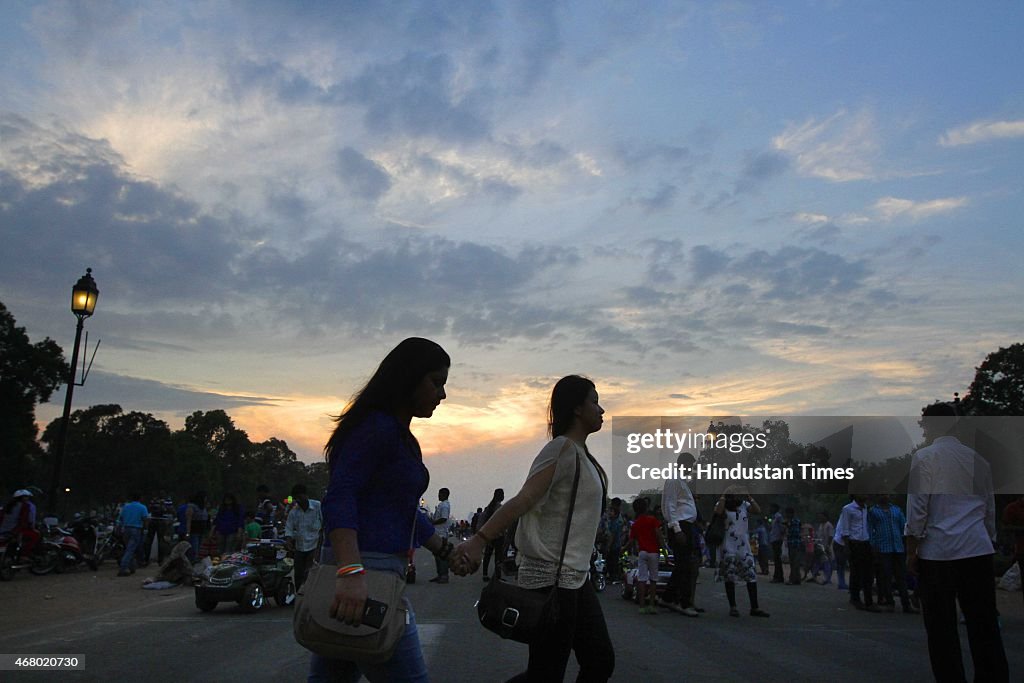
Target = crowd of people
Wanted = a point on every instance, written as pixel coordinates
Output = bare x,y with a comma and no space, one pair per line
933,556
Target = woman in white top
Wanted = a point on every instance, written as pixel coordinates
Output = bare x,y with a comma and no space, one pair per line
542,507
737,560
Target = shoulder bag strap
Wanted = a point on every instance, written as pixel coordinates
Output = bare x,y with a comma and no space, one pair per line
568,520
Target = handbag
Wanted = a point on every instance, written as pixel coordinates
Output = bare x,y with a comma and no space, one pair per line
715,533
317,631
524,614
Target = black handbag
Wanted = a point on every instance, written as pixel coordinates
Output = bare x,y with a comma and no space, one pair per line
715,533
524,614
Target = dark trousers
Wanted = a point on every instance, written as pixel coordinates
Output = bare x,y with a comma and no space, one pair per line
303,562
612,558
777,576
493,548
796,556
891,570
145,550
685,564
861,575
579,629
941,585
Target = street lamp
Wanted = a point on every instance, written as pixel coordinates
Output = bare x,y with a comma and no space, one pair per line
83,304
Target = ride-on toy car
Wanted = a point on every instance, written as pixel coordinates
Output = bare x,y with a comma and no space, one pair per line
249,578
666,564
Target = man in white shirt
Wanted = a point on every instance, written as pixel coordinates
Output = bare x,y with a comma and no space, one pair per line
680,512
950,531
302,532
854,522
442,514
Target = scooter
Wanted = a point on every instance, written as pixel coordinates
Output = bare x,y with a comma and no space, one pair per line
42,561
59,548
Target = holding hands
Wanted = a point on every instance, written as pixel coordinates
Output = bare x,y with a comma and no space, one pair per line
466,556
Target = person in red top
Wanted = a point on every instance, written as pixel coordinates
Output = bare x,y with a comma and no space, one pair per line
19,518
645,535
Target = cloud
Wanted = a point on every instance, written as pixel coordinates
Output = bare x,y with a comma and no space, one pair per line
417,96
841,148
787,274
759,168
891,208
982,131
362,177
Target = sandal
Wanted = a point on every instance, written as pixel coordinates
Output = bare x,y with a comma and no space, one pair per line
733,612
759,613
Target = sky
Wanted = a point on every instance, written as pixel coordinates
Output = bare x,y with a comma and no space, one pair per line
709,208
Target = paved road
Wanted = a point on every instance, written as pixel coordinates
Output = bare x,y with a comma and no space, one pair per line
126,634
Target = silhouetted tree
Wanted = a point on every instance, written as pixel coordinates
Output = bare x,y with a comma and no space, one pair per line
29,374
998,386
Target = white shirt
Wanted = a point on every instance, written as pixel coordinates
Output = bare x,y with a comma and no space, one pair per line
443,510
304,526
541,528
677,500
950,503
854,521
840,530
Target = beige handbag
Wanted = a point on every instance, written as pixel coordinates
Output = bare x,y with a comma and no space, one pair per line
317,631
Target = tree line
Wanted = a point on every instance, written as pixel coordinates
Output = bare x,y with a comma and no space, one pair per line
110,453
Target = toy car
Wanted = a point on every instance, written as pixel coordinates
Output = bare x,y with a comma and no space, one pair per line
629,580
249,578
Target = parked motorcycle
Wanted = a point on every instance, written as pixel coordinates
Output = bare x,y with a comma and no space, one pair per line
59,548
109,544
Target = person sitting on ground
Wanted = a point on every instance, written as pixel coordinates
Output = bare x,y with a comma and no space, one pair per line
175,570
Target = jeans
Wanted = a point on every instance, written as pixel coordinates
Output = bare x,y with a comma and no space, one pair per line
580,628
840,552
891,569
406,664
132,540
942,584
196,541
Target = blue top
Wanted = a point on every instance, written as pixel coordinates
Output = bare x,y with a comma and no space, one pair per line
228,521
885,528
377,478
132,514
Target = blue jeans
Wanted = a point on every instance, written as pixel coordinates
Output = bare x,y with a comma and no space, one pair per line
406,664
132,540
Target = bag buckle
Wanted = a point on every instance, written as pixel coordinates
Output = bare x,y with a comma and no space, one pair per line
510,617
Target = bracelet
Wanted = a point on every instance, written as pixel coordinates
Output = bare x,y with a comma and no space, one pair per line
351,570
484,538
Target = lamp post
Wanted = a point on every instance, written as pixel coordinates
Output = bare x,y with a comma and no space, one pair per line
83,304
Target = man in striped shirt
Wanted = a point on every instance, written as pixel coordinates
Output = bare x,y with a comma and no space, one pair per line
885,529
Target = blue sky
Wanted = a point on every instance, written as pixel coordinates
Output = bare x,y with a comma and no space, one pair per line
709,208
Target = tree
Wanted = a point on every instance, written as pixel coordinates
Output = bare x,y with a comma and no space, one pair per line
998,386
29,374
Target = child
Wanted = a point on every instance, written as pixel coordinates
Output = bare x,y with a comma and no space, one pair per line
252,528
646,535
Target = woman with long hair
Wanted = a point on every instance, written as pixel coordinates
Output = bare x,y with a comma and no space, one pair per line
229,525
371,510
542,509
